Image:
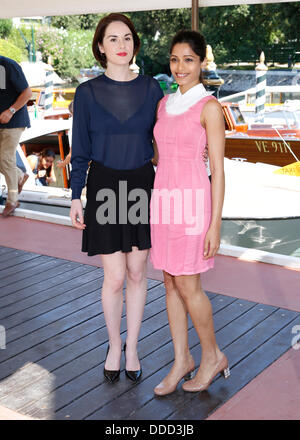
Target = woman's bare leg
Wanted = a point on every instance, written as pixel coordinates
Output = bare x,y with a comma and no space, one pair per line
136,291
114,266
178,322
200,310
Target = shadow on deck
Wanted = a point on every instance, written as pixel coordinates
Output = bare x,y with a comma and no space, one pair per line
56,344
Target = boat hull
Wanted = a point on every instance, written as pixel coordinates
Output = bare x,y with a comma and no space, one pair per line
272,151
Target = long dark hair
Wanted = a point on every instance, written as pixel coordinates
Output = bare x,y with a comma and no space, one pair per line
46,152
195,40
100,31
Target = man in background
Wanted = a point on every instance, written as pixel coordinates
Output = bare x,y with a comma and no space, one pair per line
14,118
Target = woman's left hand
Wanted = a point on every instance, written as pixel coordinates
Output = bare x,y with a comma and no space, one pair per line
211,242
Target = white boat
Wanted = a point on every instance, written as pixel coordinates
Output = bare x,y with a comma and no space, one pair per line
253,191
284,115
31,193
275,96
86,74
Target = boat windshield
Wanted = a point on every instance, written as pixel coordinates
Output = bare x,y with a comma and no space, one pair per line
237,115
292,119
277,97
287,114
41,101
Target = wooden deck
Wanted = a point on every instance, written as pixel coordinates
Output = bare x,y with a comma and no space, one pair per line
56,343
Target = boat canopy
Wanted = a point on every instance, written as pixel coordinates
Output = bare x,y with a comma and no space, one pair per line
32,8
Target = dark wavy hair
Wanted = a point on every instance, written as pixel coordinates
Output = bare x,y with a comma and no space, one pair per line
195,40
46,152
100,32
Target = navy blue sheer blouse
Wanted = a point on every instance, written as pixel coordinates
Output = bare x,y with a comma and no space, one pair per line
112,124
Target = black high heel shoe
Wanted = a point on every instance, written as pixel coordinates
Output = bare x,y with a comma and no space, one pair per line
133,375
111,375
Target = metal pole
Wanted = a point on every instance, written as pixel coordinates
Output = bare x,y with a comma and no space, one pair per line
33,44
195,15
30,51
28,45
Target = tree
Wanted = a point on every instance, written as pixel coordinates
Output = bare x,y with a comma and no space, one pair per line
235,32
243,32
289,19
10,51
5,27
76,22
156,29
69,50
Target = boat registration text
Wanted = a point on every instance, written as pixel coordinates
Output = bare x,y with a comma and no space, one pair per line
271,146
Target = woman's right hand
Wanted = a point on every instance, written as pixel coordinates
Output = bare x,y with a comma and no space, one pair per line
76,214
60,164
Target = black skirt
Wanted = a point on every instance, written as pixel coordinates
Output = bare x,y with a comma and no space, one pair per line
117,209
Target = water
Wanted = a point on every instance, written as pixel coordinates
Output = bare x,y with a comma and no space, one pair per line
275,236
50,209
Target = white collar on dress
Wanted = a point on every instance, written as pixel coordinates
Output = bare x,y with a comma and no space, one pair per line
178,103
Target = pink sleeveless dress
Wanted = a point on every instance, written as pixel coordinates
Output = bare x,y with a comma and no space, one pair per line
180,209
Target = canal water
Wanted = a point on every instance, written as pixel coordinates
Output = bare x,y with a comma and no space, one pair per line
275,236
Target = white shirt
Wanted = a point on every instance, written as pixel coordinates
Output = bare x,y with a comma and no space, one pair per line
178,103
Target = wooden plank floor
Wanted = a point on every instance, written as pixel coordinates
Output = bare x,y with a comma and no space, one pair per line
56,343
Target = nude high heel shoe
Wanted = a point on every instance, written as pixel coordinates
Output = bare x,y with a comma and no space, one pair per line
222,367
163,390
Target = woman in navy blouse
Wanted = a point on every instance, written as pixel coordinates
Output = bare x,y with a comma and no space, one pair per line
113,121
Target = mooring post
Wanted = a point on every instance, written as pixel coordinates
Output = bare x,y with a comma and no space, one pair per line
261,82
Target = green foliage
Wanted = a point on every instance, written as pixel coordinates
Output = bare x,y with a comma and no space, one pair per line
289,22
244,31
50,42
69,50
5,27
76,22
10,51
77,53
16,39
236,33
156,29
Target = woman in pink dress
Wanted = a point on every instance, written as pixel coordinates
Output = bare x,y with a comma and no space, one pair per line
186,211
